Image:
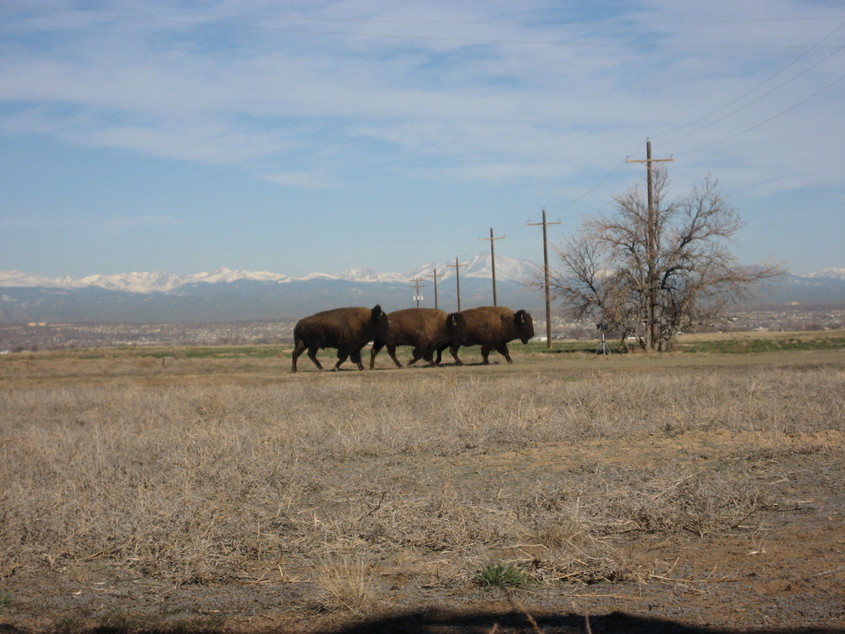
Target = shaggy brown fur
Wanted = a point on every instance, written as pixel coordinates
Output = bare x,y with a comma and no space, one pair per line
347,329
428,330
492,327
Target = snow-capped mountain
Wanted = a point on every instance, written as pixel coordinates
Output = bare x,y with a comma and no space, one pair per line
230,295
160,282
481,266
137,282
19,279
163,282
830,272
131,282
370,275
234,295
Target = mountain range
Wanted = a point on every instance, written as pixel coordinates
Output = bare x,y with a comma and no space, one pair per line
234,295
151,282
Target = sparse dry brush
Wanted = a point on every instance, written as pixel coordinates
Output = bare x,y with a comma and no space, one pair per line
417,470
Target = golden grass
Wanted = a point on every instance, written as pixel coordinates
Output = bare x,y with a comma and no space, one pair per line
204,471
345,583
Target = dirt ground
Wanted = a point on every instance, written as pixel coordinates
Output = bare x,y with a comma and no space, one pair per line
782,570
790,576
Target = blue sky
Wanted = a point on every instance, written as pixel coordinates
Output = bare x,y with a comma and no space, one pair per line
323,136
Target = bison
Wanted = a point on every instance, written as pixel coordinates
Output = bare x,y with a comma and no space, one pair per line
347,329
429,330
493,327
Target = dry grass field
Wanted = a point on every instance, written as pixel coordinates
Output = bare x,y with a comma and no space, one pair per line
189,489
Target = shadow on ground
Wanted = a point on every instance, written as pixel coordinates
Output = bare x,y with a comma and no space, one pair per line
436,622
445,622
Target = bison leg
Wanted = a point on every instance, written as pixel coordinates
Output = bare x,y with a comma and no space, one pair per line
312,354
421,353
298,350
377,346
355,356
503,350
485,354
342,355
428,355
391,350
440,354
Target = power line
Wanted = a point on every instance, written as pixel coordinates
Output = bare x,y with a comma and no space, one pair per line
765,94
755,88
765,121
749,129
742,96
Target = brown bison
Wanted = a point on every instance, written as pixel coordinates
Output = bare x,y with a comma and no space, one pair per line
492,327
429,330
347,329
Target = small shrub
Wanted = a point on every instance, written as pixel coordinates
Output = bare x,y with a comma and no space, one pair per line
502,576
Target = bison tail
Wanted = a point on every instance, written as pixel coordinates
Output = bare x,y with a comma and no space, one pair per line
297,335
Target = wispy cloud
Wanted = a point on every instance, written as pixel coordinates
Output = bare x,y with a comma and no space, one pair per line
301,180
317,96
473,81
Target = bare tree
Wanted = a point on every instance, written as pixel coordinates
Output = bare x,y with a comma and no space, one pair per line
653,273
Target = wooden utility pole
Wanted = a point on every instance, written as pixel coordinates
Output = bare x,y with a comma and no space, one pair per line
458,266
434,275
546,275
493,260
416,283
650,245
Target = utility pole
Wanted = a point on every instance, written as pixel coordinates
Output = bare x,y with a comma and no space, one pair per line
493,260
546,275
434,275
650,244
417,297
458,266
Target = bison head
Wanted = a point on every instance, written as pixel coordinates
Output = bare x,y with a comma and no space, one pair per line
524,326
456,328
380,324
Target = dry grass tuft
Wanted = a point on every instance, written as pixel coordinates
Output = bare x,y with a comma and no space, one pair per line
346,583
